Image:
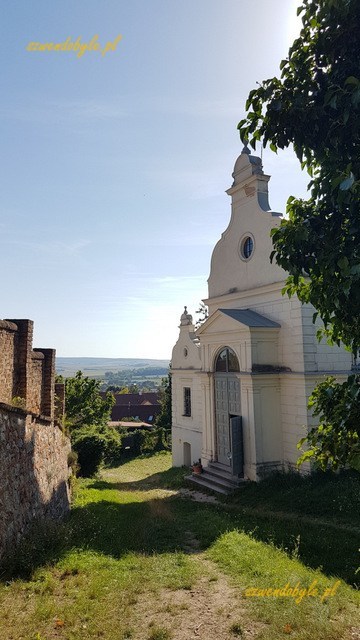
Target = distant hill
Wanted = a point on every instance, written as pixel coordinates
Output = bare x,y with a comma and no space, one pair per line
96,367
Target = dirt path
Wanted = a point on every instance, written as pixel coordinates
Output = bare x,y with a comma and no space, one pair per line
210,610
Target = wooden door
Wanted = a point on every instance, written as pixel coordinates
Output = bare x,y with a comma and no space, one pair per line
233,386
227,405
237,448
222,421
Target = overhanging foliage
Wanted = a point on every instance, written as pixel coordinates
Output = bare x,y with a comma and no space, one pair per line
315,106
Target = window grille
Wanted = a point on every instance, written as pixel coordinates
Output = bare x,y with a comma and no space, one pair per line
187,401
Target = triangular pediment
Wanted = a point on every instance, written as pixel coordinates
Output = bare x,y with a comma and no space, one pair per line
236,320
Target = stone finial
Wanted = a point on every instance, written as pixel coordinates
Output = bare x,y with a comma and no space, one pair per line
246,166
186,318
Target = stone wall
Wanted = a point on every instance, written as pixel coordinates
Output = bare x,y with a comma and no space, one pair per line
33,449
26,373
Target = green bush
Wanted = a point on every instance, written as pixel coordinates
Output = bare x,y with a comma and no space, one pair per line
93,445
135,443
151,442
90,449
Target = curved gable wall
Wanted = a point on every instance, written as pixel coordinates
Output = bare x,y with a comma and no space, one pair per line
250,214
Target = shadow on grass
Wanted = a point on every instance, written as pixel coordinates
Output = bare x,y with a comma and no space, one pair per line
330,496
163,525
172,478
106,527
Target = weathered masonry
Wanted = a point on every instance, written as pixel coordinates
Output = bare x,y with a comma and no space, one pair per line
241,382
33,449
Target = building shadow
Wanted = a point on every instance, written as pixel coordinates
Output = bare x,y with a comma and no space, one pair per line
161,526
170,479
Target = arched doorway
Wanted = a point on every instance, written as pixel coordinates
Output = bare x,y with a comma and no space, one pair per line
229,449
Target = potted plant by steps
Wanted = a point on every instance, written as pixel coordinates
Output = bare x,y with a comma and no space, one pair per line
197,467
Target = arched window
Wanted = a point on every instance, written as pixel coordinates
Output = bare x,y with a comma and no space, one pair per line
227,361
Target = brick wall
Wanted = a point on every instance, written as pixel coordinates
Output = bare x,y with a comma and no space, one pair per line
7,350
33,449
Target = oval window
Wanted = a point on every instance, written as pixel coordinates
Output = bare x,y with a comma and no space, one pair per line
247,247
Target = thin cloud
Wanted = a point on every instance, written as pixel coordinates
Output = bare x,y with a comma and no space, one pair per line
224,108
54,112
53,248
171,280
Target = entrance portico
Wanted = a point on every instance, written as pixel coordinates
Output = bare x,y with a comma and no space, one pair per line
251,343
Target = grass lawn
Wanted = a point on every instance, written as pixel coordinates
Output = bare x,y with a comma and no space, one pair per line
328,496
136,559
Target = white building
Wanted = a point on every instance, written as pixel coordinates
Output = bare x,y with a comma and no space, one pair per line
241,382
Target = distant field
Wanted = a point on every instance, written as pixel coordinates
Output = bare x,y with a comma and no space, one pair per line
96,367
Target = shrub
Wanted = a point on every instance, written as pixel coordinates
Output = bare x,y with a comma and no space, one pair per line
153,441
93,445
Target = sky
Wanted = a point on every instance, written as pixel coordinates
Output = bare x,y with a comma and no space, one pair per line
115,165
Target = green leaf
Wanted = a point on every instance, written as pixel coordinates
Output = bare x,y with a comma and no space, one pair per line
352,80
343,262
275,105
347,183
355,98
328,95
305,456
355,269
336,181
354,462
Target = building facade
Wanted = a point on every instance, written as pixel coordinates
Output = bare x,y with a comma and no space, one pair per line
241,382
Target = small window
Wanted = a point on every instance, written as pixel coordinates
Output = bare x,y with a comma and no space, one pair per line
187,401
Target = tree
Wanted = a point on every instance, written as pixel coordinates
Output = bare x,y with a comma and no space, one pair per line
315,106
84,406
114,388
86,416
164,419
203,313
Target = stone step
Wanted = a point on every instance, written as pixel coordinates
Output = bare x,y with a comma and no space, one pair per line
218,472
201,480
227,483
216,482
218,465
